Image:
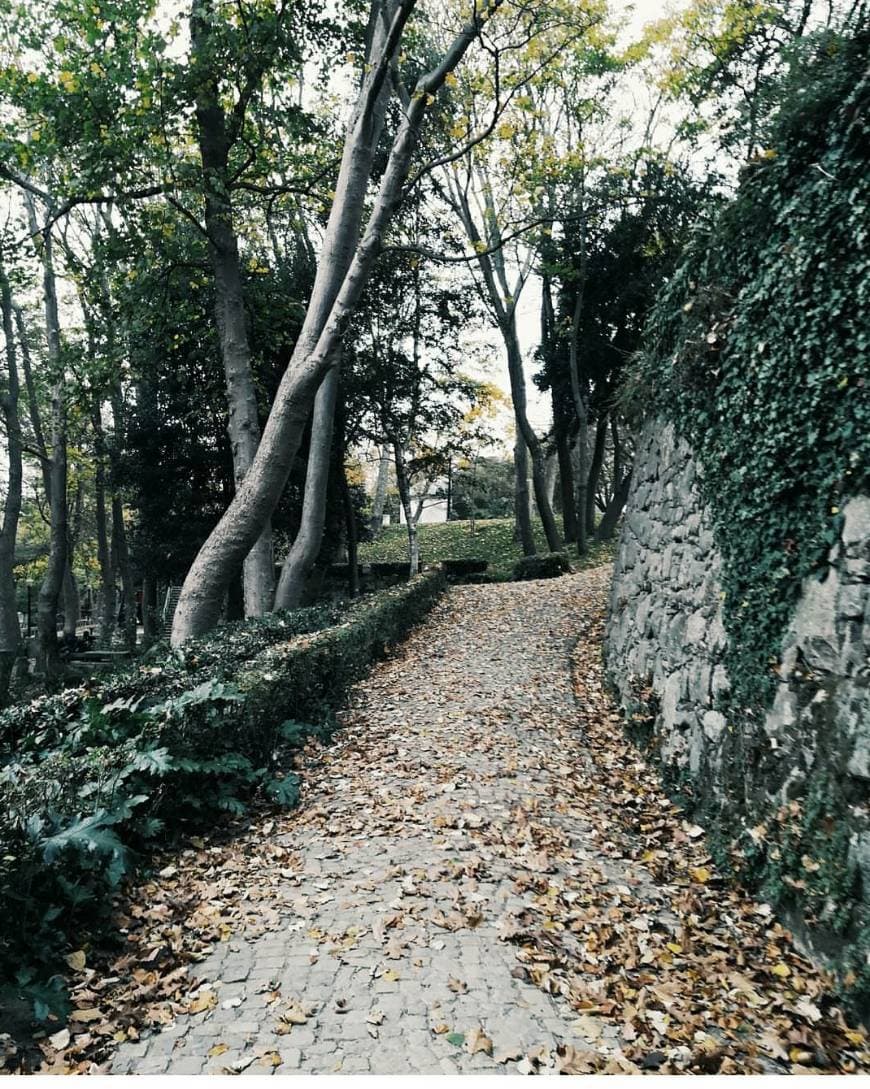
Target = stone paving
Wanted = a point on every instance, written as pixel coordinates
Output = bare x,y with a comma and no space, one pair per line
391,959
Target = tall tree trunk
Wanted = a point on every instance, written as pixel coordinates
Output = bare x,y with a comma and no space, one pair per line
523,531
551,470
405,498
351,536
342,273
581,479
107,617
150,622
56,476
243,425
120,549
71,603
610,518
595,470
527,433
306,546
380,497
566,485
10,630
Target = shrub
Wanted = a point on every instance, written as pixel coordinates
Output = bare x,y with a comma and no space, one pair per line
119,777
461,570
42,723
548,566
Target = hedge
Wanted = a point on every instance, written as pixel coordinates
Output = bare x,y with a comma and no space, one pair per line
548,566
459,570
122,777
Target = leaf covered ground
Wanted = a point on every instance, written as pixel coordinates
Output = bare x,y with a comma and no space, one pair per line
483,876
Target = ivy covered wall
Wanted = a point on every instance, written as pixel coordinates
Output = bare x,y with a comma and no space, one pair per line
756,358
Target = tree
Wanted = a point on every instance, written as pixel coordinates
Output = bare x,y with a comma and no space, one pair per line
10,632
345,264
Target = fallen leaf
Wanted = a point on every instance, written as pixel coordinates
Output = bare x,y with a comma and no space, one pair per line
60,1040
477,1040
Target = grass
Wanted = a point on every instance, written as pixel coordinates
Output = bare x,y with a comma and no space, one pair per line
492,540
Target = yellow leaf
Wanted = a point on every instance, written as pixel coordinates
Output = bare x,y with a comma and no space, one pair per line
86,1016
76,960
674,948
781,970
206,1001
391,975
701,874
218,1049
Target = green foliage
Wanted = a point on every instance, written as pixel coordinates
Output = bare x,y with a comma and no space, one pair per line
549,566
105,776
757,350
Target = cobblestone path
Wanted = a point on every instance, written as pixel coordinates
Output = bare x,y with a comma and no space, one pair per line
394,945
482,876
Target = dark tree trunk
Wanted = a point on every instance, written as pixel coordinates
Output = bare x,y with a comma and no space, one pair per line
595,470
10,631
55,476
610,518
107,618
351,536
150,625
566,485
71,603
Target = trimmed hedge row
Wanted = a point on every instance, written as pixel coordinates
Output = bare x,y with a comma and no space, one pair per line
548,566
43,722
123,776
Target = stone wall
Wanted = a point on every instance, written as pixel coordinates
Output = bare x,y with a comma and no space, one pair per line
783,791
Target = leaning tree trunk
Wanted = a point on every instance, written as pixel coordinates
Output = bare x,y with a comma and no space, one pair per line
342,273
10,630
243,421
405,499
380,497
306,546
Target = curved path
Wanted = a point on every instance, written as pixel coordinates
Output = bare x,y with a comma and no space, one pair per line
444,898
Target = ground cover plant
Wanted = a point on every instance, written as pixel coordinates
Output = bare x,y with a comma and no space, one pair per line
103,777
